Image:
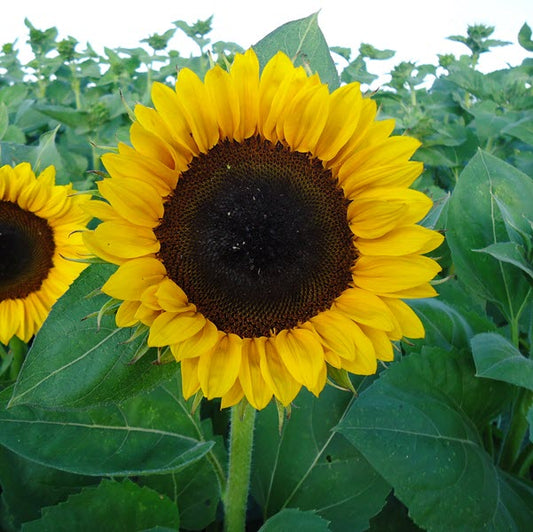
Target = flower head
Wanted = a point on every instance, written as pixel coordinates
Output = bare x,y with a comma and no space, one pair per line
264,229
38,224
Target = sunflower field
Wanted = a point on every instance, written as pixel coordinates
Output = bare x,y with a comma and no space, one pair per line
239,290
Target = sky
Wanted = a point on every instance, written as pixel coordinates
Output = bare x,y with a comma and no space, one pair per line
415,29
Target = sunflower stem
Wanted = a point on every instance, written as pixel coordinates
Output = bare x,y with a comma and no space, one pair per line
240,461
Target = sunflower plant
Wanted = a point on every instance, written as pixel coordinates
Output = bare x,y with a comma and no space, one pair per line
293,303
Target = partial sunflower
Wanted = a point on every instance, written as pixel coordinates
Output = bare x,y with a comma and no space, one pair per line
264,229
38,224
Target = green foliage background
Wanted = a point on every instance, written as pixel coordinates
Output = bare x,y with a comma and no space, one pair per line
440,440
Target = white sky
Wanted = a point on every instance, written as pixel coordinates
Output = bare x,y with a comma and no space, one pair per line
416,29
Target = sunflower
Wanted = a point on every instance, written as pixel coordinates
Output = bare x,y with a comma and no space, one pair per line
38,224
264,230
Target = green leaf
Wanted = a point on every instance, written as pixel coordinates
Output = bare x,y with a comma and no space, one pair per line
445,326
47,154
4,120
303,41
196,490
510,253
524,38
64,114
153,433
293,520
496,358
74,362
367,50
475,222
516,502
293,468
521,129
14,134
27,486
393,518
112,506
413,426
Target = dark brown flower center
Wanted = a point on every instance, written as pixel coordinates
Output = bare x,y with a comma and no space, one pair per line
257,236
26,251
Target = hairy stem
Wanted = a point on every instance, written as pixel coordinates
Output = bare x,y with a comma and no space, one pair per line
240,461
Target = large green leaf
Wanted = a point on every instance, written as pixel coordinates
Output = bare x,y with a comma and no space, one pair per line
445,326
152,433
496,358
196,490
293,520
512,253
74,362
27,486
310,467
475,222
415,426
112,506
303,41
4,119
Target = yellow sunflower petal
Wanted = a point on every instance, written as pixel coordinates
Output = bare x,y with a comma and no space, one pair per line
223,97
343,116
102,210
150,145
405,240
390,274
99,249
337,333
190,383
11,314
365,308
149,298
172,298
358,348
366,119
391,151
198,344
125,316
393,175
418,203
136,201
382,345
410,323
193,100
218,369
280,81
302,353
171,328
257,392
333,359
146,315
152,121
306,117
372,219
245,75
417,292
276,375
321,381
396,206
133,277
233,396
124,240
170,111
365,364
